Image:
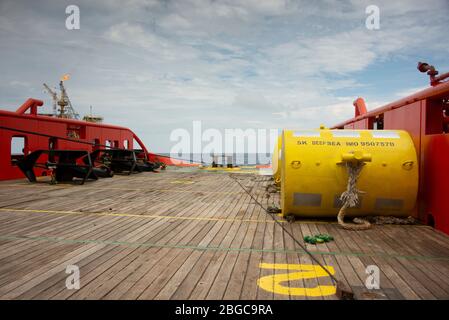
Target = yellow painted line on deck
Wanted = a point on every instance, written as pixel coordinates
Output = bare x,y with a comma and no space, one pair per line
148,216
123,189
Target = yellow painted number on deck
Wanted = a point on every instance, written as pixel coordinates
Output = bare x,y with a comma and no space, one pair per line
278,283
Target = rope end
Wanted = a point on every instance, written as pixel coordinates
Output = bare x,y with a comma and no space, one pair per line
343,292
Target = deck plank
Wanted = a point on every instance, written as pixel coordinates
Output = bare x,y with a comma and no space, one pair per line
191,235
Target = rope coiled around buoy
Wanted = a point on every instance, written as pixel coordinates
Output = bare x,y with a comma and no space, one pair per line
350,198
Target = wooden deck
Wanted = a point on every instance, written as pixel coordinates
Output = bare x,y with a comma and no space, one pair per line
190,234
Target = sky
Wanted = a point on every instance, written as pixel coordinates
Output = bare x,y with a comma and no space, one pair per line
156,66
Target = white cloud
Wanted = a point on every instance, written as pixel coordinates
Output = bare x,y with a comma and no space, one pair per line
129,34
339,53
17,83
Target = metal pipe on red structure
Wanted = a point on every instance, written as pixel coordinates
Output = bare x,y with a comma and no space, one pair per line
432,73
31,104
360,107
431,92
437,80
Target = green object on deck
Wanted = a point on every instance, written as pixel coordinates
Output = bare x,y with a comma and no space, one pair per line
319,238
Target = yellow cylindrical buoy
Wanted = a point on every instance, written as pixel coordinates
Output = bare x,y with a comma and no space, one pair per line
275,161
314,174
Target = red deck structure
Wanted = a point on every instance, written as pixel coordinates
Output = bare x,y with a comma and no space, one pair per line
425,115
37,131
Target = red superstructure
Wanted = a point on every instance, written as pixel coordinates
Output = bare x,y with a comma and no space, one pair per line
46,132
425,115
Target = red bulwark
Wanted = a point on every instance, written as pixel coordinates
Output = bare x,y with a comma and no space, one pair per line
425,115
45,132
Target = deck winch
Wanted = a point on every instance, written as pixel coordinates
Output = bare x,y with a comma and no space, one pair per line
122,160
313,171
64,165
